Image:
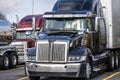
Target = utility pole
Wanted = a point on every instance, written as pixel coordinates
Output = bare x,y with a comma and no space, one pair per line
32,7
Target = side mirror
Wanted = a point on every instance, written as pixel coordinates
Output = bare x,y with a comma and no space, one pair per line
41,36
33,23
13,34
88,31
96,23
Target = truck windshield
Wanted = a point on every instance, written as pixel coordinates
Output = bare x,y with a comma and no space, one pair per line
59,24
22,35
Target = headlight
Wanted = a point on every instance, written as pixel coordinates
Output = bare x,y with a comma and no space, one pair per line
31,58
76,58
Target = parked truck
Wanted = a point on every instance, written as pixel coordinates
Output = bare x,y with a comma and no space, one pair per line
8,54
22,41
78,38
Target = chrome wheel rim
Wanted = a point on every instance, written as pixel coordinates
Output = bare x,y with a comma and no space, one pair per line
14,60
88,70
6,61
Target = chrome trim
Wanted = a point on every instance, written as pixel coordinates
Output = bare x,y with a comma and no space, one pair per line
52,51
67,15
56,51
21,48
42,47
69,67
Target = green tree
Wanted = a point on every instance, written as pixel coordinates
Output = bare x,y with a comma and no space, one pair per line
3,17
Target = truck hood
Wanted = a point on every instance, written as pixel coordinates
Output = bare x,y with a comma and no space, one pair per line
59,37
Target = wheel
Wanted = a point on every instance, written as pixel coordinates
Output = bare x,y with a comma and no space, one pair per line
111,63
116,60
88,71
13,60
4,61
34,77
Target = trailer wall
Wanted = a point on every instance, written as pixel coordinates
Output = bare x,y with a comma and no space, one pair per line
111,10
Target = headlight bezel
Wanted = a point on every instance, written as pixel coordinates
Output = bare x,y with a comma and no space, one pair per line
76,58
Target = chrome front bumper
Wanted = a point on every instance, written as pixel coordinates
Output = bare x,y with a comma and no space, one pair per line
54,70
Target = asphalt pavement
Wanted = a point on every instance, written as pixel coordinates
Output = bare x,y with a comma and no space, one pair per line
18,74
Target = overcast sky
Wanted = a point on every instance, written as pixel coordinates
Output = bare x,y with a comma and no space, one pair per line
11,8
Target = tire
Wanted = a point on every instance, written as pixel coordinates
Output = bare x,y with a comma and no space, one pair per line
13,60
34,77
88,71
111,63
4,61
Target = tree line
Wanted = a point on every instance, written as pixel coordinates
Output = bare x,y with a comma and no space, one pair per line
3,17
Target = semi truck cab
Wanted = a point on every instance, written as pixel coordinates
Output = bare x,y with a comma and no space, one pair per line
25,35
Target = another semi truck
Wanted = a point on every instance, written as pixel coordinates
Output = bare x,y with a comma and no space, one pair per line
8,54
78,38
22,41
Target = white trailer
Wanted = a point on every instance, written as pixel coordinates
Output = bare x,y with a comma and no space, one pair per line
111,10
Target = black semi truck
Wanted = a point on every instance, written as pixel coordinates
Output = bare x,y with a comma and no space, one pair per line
78,38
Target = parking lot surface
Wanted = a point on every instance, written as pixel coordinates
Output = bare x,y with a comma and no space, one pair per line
18,74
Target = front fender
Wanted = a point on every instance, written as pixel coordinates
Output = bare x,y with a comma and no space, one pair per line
32,51
7,51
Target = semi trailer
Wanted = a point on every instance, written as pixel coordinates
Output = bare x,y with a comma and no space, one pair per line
78,38
8,54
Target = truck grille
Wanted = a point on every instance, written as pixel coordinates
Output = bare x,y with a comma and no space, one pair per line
58,52
21,49
52,52
43,52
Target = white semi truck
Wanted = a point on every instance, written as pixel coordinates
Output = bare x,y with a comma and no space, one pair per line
8,54
78,38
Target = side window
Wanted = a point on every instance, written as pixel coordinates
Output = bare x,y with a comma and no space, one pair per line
79,24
